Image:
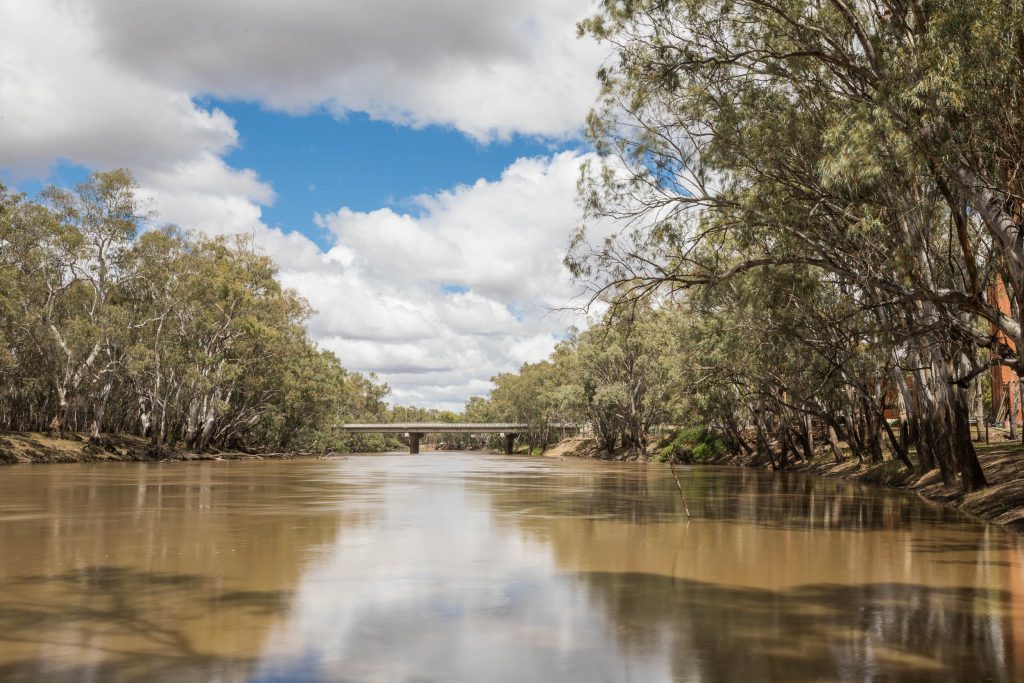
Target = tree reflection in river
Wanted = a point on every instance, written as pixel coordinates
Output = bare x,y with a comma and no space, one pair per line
645,493
460,567
786,577
825,632
156,572
110,623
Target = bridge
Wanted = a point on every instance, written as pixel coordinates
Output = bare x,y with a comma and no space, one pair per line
417,430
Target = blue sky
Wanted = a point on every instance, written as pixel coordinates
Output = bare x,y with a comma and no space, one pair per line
317,162
411,167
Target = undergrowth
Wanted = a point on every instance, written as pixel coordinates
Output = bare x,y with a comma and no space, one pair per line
694,445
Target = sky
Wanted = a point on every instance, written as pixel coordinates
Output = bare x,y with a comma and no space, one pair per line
410,166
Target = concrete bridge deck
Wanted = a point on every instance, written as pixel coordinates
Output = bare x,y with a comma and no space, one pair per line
416,430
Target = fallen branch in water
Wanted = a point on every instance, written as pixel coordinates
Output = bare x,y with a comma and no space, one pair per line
672,467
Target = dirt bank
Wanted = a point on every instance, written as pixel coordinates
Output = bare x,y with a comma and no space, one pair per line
32,447
575,446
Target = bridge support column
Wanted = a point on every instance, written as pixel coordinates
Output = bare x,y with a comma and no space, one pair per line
414,442
509,442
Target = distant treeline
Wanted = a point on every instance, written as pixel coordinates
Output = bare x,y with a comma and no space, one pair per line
618,379
110,325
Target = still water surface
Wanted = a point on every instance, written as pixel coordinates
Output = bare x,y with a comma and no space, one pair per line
460,567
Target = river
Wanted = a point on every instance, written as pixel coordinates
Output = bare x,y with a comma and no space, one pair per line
468,567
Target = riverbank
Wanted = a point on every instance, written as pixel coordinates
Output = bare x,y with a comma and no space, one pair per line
1002,502
1002,461
40,448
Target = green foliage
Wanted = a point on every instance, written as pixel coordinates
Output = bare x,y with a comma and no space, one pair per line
183,338
694,445
617,378
827,192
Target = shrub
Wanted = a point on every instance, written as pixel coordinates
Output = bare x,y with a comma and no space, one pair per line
693,445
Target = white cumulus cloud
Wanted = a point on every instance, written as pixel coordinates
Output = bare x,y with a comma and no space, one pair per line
469,286
486,68
437,300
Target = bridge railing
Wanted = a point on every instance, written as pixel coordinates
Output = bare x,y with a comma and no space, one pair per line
417,430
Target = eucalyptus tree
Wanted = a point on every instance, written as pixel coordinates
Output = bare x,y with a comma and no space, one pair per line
617,377
526,397
180,338
66,258
159,291
21,294
748,134
625,369
237,322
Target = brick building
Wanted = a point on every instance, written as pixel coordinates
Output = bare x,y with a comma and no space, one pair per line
1005,385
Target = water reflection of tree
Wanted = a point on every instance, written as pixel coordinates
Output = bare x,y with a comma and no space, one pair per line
797,501
166,572
740,590
133,625
862,632
648,494
604,492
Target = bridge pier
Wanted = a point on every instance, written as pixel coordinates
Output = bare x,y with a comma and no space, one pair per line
415,431
414,442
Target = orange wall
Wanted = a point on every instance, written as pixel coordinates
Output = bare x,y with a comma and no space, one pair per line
1003,378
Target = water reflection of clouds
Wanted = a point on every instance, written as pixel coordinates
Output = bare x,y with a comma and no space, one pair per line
808,579
157,572
523,570
472,568
437,591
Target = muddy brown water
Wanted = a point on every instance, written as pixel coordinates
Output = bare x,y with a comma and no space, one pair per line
462,567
